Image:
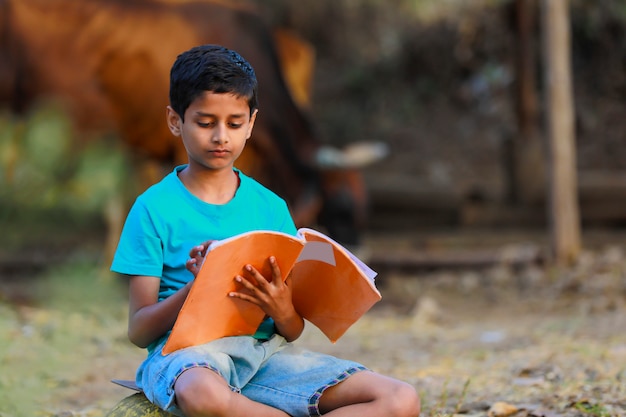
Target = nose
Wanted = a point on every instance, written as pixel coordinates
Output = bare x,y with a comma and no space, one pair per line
219,134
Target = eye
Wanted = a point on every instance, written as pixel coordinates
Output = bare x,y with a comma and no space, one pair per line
235,125
206,124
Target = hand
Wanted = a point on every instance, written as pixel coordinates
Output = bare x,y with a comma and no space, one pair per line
196,257
273,296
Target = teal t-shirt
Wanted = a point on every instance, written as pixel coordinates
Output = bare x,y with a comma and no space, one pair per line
166,221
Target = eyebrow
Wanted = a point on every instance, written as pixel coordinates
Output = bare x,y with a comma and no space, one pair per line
236,115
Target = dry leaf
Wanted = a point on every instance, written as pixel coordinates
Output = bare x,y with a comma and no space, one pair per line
501,409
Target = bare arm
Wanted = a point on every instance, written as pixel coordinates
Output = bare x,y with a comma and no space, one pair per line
149,319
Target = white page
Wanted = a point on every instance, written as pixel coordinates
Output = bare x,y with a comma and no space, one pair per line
318,251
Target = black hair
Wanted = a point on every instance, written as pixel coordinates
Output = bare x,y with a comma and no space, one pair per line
211,68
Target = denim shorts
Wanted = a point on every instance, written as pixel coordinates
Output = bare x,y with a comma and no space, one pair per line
272,372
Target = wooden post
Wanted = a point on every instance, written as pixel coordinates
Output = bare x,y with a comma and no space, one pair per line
525,160
563,208
525,62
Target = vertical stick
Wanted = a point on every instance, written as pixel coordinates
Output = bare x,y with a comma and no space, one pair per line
563,196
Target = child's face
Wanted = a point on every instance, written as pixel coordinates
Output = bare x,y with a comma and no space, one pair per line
215,129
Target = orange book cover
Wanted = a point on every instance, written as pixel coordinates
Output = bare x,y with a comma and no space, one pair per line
332,288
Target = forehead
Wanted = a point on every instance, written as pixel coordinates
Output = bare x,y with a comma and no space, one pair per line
219,104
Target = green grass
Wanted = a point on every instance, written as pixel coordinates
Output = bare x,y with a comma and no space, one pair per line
76,309
595,410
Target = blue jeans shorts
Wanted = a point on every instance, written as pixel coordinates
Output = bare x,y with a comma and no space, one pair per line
272,372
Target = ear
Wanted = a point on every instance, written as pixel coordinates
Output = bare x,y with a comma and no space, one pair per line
174,122
251,125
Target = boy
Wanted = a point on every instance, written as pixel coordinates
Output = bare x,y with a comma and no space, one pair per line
213,106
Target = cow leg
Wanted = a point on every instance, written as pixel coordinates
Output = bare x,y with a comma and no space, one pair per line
115,211
345,205
146,172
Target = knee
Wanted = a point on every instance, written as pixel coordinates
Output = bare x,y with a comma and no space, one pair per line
406,401
201,400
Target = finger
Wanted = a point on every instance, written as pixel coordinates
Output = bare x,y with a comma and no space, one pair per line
258,277
195,251
205,247
246,283
244,297
277,278
251,293
192,266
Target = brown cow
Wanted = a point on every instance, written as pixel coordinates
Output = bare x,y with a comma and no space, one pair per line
109,61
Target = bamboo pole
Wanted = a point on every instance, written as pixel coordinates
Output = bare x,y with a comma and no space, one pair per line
564,216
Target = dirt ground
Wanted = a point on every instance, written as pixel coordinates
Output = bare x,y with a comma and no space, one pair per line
545,342
495,340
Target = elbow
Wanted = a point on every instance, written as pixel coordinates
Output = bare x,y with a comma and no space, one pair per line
292,338
136,339
293,335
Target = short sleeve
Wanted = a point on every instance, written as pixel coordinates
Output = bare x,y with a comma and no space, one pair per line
139,251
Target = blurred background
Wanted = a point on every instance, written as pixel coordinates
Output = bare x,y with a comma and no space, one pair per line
414,131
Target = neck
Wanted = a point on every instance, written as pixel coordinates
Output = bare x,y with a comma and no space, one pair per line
214,187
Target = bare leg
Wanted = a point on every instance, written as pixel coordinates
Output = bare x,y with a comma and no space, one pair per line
201,392
368,394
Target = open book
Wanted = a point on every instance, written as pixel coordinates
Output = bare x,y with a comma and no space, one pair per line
331,287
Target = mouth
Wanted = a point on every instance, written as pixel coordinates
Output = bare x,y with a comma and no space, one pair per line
219,152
